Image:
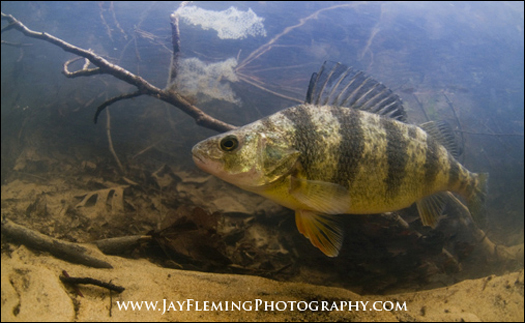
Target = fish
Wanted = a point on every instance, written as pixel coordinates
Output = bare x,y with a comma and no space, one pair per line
347,150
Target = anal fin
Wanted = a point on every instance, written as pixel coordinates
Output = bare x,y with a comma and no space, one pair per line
323,231
431,207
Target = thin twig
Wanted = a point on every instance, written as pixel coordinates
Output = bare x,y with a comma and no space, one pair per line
147,148
110,142
113,100
266,47
175,42
108,29
110,303
249,81
491,134
91,281
114,15
421,107
85,71
77,290
457,120
20,45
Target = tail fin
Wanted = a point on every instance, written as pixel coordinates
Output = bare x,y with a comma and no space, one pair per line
476,200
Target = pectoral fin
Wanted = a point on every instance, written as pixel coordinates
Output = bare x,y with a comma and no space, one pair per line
321,196
323,230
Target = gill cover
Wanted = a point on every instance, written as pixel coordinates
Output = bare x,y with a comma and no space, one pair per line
275,158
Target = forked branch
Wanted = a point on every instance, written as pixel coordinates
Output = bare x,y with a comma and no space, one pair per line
103,66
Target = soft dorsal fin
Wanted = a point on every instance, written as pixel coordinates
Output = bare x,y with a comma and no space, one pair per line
339,85
442,132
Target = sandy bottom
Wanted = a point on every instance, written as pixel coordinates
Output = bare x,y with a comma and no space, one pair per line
32,291
251,235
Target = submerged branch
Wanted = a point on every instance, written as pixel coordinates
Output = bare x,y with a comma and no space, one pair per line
491,250
110,141
495,134
266,47
85,71
421,107
105,67
456,117
175,41
113,100
90,281
69,251
248,80
19,45
120,245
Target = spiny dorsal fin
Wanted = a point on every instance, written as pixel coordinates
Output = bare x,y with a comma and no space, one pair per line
339,85
442,132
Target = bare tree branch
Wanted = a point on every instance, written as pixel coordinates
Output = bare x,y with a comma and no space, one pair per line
113,100
175,41
69,251
105,67
85,71
14,44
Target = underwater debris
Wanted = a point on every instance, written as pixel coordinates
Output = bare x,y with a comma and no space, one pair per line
104,200
66,279
69,251
229,24
193,239
103,66
205,82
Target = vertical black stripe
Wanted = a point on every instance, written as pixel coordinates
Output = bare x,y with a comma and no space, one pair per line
453,173
269,126
397,157
351,146
432,162
412,132
306,139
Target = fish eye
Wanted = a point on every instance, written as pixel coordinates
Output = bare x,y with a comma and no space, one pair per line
229,143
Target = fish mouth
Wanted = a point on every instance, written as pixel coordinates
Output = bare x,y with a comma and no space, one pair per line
196,156
198,159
